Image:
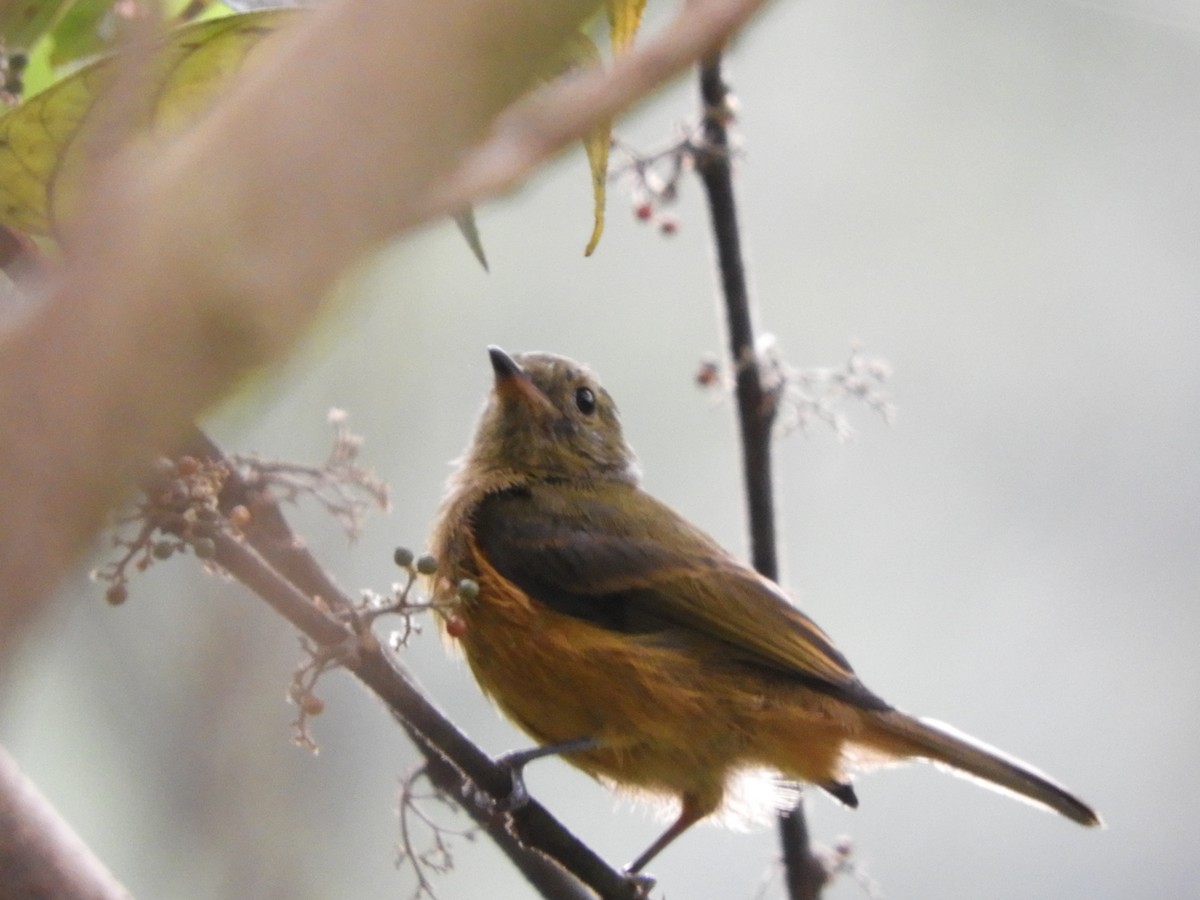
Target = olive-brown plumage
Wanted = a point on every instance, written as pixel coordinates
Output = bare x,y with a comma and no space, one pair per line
603,615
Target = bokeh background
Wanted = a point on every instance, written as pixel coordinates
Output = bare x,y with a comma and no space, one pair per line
1000,198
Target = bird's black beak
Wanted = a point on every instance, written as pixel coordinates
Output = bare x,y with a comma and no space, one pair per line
504,365
513,384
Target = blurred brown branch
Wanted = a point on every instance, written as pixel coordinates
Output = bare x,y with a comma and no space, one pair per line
198,259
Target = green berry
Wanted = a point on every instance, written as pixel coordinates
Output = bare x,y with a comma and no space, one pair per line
403,557
426,564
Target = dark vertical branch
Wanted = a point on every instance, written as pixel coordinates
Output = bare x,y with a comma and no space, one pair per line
756,404
756,407
804,874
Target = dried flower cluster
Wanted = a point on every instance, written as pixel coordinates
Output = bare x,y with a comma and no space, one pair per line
816,394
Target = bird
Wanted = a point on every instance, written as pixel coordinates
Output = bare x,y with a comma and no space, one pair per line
624,638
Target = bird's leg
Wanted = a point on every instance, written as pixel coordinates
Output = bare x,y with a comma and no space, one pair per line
691,813
517,761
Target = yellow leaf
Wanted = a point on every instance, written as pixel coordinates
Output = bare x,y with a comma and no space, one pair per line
44,141
624,17
596,142
582,52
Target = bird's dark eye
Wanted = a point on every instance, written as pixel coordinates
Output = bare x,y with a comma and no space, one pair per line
585,400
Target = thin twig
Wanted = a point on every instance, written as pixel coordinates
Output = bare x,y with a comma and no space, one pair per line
757,405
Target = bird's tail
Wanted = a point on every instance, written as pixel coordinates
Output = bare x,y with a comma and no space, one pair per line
941,744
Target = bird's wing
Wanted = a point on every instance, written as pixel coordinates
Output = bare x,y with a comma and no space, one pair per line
618,558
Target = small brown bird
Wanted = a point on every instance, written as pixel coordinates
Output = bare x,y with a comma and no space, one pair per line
617,633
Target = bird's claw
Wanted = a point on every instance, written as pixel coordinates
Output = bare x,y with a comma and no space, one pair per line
518,794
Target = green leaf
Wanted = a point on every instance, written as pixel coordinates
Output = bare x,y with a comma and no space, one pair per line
79,35
43,141
23,22
466,224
